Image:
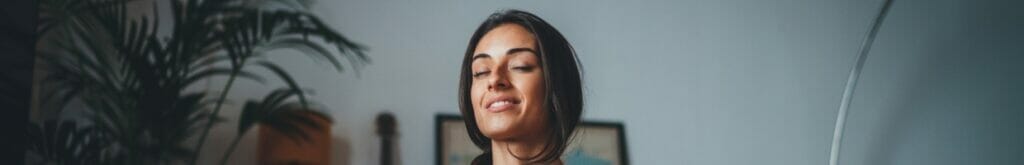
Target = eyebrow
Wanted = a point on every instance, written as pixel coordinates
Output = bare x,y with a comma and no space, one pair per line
517,50
510,52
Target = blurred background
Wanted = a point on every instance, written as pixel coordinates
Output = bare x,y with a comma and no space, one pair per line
693,82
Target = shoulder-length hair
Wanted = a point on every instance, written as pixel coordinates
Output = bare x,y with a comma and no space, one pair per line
562,81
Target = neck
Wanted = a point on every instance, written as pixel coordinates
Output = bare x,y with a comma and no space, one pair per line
502,151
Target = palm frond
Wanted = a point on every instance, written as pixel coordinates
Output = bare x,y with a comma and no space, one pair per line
64,142
281,73
132,81
276,112
207,73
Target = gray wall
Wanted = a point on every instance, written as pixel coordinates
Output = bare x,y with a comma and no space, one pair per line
945,87
704,81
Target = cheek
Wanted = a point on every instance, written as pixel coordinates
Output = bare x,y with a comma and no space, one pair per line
532,87
535,116
474,95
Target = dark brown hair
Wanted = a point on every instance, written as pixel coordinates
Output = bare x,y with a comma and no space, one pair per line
562,80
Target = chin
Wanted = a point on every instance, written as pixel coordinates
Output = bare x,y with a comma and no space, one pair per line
499,126
498,133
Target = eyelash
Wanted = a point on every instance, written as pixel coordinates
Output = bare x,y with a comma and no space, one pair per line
478,74
519,68
523,68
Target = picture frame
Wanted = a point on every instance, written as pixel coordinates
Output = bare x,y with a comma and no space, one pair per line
595,142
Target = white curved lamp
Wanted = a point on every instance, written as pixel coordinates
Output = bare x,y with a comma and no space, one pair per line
851,83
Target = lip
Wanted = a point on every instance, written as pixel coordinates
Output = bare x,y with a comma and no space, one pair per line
505,103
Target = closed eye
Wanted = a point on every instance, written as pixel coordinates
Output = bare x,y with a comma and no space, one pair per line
523,68
479,74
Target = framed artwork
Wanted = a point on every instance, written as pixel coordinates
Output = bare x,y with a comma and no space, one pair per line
595,143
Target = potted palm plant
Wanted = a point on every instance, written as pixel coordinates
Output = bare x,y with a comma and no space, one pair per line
130,73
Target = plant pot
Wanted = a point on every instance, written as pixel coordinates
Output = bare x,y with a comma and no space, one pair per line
276,148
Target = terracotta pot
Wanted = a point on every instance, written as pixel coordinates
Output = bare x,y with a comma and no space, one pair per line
276,148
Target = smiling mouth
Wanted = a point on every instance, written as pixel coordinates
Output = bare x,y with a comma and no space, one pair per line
502,104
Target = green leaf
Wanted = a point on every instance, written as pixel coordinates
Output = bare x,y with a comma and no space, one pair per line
276,99
287,79
309,48
286,127
251,114
207,73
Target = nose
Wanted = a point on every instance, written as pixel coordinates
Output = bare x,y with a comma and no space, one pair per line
498,81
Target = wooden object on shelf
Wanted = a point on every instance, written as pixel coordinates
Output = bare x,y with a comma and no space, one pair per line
386,129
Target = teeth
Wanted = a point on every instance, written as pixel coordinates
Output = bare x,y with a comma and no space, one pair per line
500,103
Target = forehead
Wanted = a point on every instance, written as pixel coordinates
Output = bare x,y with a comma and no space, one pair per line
504,37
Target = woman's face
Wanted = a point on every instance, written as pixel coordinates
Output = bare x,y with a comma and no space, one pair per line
508,84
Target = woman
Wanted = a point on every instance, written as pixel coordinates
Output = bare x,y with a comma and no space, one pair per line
520,90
